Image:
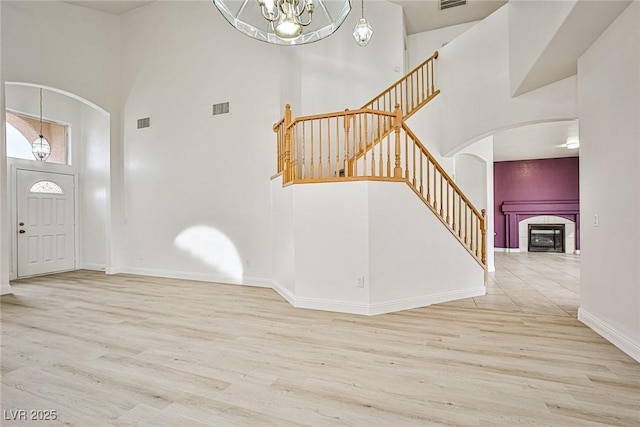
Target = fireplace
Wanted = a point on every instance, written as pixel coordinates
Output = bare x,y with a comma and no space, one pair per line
546,238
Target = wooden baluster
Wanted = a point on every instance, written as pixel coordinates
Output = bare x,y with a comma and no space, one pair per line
303,171
453,203
428,176
397,172
466,224
406,158
328,147
347,162
388,153
483,231
320,166
473,229
338,147
312,167
460,216
287,143
421,176
448,186
441,196
435,187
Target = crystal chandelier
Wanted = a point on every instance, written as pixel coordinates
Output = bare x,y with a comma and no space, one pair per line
285,22
40,147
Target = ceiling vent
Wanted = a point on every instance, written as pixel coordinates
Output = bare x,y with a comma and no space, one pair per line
222,108
144,123
448,4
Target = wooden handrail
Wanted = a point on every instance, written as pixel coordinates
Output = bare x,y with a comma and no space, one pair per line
439,168
367,143
411,92
341,114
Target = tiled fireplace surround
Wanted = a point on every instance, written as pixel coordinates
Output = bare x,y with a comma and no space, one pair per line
519,214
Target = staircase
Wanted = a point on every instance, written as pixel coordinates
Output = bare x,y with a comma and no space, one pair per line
374,143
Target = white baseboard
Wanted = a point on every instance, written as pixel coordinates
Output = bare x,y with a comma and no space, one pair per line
507,250
113,270
203,277
602,328
5,289
284,292
365,309
333,305
93,267
425,300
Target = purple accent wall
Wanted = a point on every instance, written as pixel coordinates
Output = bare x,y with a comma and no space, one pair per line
547,186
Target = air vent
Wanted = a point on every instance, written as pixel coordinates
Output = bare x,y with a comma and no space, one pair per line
448,4
144,123
222,108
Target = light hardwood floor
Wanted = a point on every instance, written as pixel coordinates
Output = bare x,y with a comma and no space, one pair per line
135,351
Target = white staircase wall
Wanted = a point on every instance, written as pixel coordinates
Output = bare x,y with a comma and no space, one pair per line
414,260
365,247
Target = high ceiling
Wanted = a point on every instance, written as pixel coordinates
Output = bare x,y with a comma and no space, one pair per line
419,15
545,140
425,15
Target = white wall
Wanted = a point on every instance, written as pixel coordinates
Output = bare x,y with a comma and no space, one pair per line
421,46
414,260
472,73
283,239
609,94
331,245
365,247
93,185
191,169
338,74
532,26
5,288
75,50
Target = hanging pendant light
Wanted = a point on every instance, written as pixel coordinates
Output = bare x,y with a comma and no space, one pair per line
40,147
362,32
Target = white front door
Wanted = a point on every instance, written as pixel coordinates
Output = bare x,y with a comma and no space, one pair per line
46,217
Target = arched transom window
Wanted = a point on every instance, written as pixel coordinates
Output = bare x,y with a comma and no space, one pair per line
46,187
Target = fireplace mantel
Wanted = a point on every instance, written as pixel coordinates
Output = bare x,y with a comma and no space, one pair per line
518,210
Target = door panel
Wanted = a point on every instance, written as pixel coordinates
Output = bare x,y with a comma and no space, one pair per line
46,240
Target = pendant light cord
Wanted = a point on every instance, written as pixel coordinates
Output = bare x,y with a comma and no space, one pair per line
41,116
362,5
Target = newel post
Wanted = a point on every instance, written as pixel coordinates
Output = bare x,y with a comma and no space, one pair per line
287,143
397,124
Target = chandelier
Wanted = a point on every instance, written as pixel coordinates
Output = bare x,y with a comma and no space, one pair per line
285,22
362,32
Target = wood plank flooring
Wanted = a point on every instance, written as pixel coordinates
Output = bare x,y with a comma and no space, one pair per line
136,351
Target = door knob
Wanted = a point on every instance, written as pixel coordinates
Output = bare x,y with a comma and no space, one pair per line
22,231
21,224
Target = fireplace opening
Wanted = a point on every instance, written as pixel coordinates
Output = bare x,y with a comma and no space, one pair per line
546,238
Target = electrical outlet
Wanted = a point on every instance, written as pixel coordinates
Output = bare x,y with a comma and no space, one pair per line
248,262
360,282
596,220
